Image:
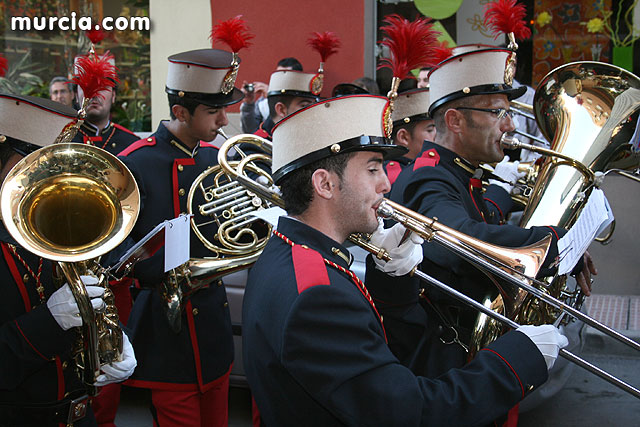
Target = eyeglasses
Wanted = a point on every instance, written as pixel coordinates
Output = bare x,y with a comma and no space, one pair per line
500,113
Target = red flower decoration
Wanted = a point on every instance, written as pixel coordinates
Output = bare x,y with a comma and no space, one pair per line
4,65
96,35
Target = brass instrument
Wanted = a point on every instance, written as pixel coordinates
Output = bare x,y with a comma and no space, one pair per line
589,112
72,203
223,221
513,265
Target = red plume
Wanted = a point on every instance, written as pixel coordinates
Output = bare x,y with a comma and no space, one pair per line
326,44
411,44
234,32
95,73
441,52
4,65
507,16
96,35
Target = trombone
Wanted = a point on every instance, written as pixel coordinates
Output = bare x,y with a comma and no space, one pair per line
512,267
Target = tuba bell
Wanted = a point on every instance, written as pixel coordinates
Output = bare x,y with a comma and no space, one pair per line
72,203
589,112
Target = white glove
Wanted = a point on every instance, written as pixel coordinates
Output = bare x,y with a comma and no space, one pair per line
509,172
548,339
403,257
116,372
64,308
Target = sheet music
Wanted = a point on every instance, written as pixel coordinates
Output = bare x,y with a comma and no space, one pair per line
176,241
270,215
593,219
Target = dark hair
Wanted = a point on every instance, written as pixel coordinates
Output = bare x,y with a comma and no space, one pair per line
408,126
187,103
5,153
297,191
438,114
274,99
368,84
290,62
60,79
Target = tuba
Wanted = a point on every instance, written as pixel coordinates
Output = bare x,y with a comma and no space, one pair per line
72,203
589,112
223,220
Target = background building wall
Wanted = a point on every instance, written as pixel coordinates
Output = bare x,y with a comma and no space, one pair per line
176,26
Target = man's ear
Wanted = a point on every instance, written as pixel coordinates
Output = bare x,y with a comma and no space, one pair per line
403,137
113,96
281,110
454,120
180,112
324,183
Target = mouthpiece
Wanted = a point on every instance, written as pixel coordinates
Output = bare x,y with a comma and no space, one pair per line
510,142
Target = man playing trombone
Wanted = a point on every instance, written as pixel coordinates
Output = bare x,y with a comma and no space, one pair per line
470,95
314,345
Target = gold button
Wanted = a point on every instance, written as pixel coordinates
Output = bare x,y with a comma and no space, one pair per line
335,148
530,387
219,283
195,311
113,144
65,364
180,168
25,278
226,304
432,154
181,192
149,139
304,246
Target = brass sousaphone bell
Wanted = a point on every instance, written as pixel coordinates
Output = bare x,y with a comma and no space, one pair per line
72,203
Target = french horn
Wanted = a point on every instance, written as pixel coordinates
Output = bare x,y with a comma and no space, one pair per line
222,219
72,203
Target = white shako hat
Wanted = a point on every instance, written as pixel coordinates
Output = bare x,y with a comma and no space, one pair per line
476,72
464,48
330,127
411,106
294,83
28,122
207,76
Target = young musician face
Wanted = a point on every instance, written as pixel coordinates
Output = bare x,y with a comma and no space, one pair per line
364,183
205,121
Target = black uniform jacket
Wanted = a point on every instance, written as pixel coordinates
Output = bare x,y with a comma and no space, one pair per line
35,352
203,349
315,352
113,138
393,167
441,185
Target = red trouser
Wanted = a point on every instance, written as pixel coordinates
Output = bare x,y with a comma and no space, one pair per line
192,408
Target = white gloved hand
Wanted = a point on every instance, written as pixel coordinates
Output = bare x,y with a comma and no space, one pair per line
548,339
116,372
509,172
403,257
64,308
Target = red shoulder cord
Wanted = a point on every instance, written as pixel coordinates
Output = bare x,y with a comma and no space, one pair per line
359,284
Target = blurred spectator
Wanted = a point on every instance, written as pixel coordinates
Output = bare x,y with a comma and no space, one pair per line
255,109
61,90
423,77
